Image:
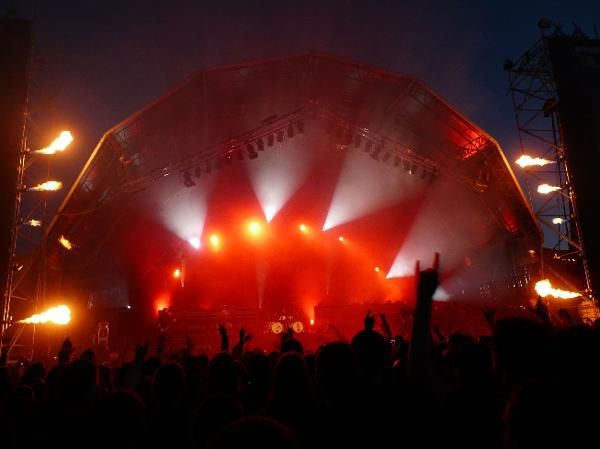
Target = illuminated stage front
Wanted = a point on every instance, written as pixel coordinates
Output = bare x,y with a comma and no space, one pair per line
276,187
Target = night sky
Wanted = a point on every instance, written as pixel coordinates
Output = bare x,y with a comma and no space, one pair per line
100,61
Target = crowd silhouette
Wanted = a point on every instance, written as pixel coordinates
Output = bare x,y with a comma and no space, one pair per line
531,383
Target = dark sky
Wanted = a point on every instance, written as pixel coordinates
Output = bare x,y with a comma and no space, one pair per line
103,60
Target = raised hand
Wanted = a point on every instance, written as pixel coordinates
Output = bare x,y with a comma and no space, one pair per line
386,327
224,338
427,280
369,321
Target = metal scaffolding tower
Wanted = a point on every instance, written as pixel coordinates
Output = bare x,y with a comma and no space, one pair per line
536,106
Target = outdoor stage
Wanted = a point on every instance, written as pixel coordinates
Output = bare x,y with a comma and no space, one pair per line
286,187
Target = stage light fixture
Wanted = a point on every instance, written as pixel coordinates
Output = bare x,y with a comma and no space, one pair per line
270,140
303,228
312,322
376,152
176,273
251,153
215,241
187,179
357,141
198,172
301,127
557,220
376,269
280,136
341,239
260,144
240,153
290,131
254,228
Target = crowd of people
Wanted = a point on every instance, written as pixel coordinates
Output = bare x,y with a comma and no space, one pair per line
529,384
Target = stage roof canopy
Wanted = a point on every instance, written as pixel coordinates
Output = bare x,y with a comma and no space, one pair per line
213,115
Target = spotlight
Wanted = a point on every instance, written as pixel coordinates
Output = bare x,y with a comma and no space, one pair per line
280,136
368,146
254,228
341,238
251,153
270,140
312,322
187,179
194,241
215,241
260,144
303,228
290,131
376,269
176,273
301,127
557,220
198,172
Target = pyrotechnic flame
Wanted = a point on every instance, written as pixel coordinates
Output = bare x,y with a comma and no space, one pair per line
47,186
557,220
59,144
528,161
34,223
546,188
64,242
57,315
544,288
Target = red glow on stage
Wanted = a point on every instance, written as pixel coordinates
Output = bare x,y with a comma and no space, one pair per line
163,301
377,269
303,228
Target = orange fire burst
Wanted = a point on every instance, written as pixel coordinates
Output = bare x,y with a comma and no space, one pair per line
57,315
528,161
48,186
64,242
544,289
546,188
59,144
